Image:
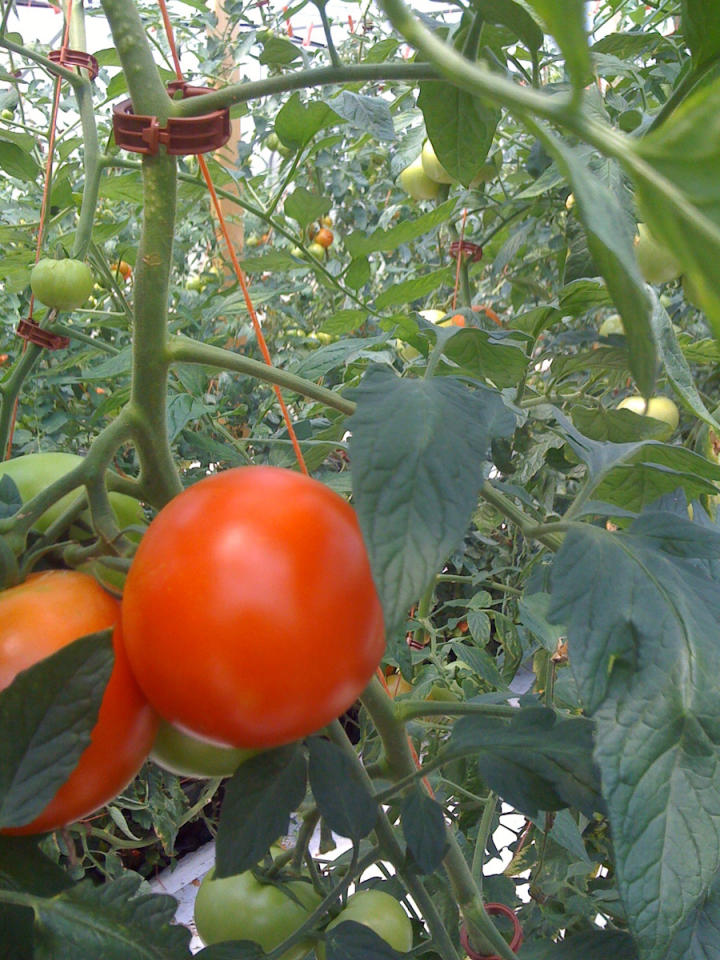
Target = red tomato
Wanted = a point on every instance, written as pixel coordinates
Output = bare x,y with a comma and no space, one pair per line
324,237
37,618
249,614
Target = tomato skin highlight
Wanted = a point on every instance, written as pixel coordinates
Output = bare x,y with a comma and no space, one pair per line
37,618
250,616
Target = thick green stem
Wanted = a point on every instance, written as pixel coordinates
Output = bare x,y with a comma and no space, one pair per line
482,931
182,350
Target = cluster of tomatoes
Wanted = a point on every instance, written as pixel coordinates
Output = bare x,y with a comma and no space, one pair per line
249,619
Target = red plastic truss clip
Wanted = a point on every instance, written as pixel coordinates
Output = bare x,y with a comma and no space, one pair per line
515,943
182,135
75,58
471,250
29,330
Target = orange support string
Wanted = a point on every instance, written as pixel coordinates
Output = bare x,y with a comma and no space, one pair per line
239,272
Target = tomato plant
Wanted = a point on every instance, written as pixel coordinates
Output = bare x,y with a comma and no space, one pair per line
62,284
249,614
379,911
188,756
38,617
241,907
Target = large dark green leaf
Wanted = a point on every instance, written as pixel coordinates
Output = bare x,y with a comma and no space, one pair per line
344,801
46,716
678,190
701,26
297,123
116,921
535,761
258,802
419,449
641,609
460,127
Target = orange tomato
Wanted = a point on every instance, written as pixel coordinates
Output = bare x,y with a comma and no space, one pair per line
324,237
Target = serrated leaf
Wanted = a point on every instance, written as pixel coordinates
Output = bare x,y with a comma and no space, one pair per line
701,26
333,355
305,207
297,123
344,322
46,716
117,921
642,625
495,356
679,197
370,115
360,245
514,17
419,449
610,240
460,126
535,761
414,289
565,19
257,806
423,826
346,805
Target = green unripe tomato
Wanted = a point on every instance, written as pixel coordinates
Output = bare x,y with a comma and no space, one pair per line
659,408
242,908
62,284
196,283
417,183
273,141
611,325
381,913
432,166
657,263
317,251
33,472
188,756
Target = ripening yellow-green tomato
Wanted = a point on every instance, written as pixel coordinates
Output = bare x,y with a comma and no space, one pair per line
659,408
611,325
379,911
417,183
432,166
657,263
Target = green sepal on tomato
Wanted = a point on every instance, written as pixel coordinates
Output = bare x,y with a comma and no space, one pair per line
33,472
187,756
241,907
61,284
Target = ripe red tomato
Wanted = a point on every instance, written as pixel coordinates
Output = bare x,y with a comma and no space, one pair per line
37,618
324,237
249,614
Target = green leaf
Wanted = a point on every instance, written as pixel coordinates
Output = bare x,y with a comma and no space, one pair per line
358,273
610,239
676,366
679,196
297,123
460,127
701,26
257,806
423,825
418,448
344,321
370,115
345,803
642,609
183,409
119,920
565,20
46,716
490,355
10,499
409,290
305,207
320,362
277,50
354,941
593,945
514,17
535,761
17,162
360,245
